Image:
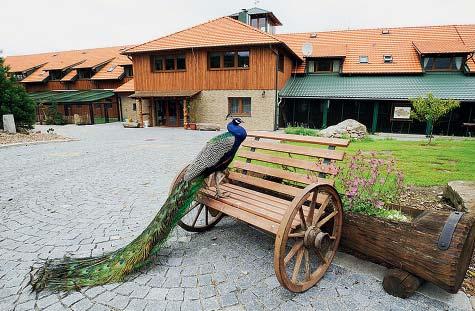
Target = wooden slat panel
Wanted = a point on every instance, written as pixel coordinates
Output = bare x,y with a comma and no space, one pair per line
266,184
262,223
298,163
303,139
308,151
275,172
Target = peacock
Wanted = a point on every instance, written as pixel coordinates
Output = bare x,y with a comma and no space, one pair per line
68,274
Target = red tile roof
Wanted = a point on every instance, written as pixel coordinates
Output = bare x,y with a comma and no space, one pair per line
113,70
39,75
71,76
127,87
372,43
441,46
224,31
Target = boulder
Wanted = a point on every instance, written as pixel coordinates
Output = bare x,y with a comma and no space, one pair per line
208,127
349,128
9,123
461,194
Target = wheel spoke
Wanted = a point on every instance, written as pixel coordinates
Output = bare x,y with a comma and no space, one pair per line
322,209
302,218
326,219
312,207
191,208
320,256
197,215
206,215
296,247
299,234
298,263
307,265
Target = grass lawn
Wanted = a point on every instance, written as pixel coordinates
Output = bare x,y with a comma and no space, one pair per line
426,165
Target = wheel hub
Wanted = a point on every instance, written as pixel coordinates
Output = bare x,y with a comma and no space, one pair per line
316,238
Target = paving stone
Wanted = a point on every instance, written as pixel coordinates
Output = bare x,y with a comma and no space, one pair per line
191,294
71,298
175,294
210,304
228,300
157,294
207,291
82,305
190,305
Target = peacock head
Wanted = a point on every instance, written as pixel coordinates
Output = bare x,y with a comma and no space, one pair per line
235,121
235,127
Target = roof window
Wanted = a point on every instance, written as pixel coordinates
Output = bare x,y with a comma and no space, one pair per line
388,59
364,59
111,68
385,31
313,35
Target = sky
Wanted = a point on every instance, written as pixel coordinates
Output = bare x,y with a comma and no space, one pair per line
35,26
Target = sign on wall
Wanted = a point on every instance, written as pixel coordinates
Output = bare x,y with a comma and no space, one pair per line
402,113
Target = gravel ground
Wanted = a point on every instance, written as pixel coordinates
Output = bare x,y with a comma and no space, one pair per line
18,138
96,194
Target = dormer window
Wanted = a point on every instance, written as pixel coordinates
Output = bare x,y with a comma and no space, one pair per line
128,71
388,59
323,65
85,73
364,59
443,63
55,75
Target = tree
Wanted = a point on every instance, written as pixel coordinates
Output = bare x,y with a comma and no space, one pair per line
15,100
430,109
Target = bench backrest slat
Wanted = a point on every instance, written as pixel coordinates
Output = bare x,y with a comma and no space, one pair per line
283,163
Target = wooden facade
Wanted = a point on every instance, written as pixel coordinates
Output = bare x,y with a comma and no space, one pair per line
261,74
80,84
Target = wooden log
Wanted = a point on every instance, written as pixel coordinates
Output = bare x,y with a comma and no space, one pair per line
412,246
400,283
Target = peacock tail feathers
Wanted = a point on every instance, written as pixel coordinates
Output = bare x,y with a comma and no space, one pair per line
74,273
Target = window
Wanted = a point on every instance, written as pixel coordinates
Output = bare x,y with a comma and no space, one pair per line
442,63
128,71
55,75
169,63
85,73
180,62
239,106
228,60
321,65
259,23
18,76
281,62
215,60
388,59
134,107
364,59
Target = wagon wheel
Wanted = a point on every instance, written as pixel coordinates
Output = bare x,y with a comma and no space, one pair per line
308,237
198,217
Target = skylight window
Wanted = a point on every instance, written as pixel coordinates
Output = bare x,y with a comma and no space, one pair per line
364,59
111,68
385,31
388,59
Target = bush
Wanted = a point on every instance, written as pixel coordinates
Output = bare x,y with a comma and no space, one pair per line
301,131
369,183
15,100
53,116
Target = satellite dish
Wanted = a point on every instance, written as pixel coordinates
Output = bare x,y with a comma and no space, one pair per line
307,49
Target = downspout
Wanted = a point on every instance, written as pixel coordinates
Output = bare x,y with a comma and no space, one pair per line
277,102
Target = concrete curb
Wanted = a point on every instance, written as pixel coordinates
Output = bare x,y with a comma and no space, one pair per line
459,300
40,142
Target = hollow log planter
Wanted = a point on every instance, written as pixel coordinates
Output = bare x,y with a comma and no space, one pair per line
413,247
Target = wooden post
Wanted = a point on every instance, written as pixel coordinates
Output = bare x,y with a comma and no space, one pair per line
140,112
400,283
185,114
326,105
375,117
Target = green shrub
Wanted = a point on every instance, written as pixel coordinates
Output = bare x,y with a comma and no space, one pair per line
301,131
53,116
15,100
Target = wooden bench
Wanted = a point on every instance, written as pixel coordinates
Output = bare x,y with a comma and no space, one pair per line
281,184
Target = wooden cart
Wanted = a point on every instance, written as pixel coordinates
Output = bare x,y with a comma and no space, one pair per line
279,184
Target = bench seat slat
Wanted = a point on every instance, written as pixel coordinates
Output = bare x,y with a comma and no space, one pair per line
303,139
298,163
308,151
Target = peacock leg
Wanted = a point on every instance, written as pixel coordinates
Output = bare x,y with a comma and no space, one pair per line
219,193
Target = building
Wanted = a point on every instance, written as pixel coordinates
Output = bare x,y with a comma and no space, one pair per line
81,82
241,65
201,74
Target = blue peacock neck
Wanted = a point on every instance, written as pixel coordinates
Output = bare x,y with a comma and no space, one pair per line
238,131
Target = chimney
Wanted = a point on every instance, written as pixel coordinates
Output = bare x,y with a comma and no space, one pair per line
243,17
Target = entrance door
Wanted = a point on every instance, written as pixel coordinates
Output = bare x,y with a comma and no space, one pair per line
169,112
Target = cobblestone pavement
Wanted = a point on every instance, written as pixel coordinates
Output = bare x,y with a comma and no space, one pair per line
96,194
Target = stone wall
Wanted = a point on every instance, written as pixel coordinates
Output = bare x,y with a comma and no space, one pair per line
128,111
212,107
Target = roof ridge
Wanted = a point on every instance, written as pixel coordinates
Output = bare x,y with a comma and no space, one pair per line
73,50
172,34
254,29
376,28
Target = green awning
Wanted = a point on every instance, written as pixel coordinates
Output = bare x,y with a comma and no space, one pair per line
333,86
62,97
